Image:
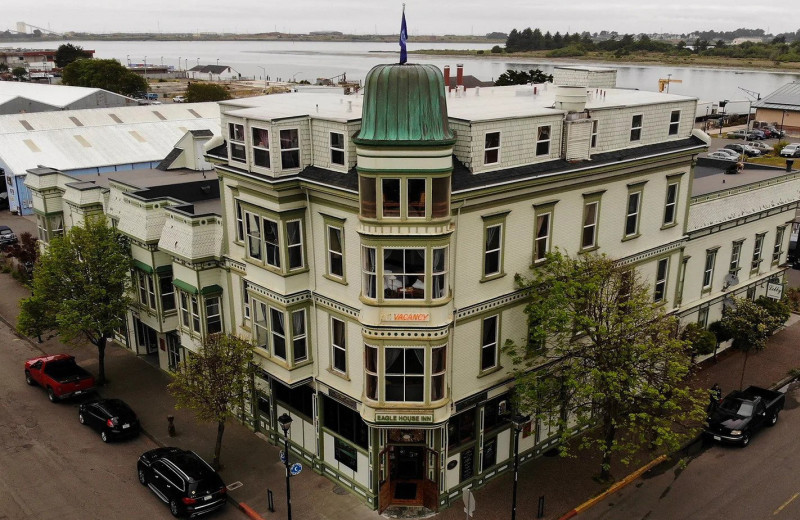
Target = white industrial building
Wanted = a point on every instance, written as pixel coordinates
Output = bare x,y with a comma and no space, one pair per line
22,97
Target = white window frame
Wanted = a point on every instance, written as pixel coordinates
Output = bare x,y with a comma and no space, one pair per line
674,124
632,216
342,349
335,150
662,272
402,277
296,245
367,274
539,237
758,250
253,236
487,149
299,335
261,148
736,256
236,140
273,333
492,344
496,250
208,305
590,227
334,254
777,248
247,302
671,206
439,274
404,374
708,269
636,131
290,149
595,125
546,141
239,222
274,246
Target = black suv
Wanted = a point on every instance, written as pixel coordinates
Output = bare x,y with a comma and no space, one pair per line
183,480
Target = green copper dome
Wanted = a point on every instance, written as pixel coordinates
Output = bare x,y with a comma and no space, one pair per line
404,105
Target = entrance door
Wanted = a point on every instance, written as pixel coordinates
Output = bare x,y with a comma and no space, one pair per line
430,486
385,485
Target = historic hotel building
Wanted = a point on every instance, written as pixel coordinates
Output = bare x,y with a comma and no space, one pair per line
368,245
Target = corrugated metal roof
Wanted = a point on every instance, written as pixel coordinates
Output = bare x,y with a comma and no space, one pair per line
56,95
100,142
785,98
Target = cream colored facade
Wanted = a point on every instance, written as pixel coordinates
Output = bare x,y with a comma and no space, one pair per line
301,255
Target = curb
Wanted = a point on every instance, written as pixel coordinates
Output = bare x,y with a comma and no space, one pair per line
249,511
617,486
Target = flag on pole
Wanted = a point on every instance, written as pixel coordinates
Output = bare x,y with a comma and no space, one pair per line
403,38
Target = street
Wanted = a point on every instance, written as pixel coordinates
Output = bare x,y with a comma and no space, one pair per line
55,468
728,482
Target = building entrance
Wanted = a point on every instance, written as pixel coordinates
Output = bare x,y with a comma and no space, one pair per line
409,471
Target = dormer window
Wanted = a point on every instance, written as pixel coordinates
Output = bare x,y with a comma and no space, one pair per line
337,148
491,149
290,149
636,128
261,147
236,138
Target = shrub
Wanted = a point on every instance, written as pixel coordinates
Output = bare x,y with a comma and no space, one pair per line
480,52
497,49
778,309
566,52
701,341
793,298
779,146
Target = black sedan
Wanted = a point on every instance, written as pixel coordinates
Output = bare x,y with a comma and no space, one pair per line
111,417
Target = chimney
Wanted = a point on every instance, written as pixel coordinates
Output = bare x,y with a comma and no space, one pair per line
447,78
459,75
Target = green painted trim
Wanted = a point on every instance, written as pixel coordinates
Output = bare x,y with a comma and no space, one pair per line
446,152
180,284
211,290
404,172
138,264
403,144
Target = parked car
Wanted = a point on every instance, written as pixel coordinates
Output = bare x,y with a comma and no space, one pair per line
756,134
791,150
764,148
722,155
742,413
743,148
179,99
737,134
183,480
111,417
151,96
732,153
774,132
59,375
7,237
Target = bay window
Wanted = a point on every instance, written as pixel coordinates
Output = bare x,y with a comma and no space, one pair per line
404,374
236,142
404,273
261,148
290,149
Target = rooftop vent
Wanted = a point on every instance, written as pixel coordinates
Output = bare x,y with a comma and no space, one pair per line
571,99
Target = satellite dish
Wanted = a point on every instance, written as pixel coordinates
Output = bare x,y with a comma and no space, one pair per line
730,280
728,304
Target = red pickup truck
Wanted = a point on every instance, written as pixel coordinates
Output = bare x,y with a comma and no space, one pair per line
59,375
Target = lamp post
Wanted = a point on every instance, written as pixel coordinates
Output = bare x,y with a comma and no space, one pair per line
264,71
286,422
145,68
782,118
129,59
179,63
295,75
217,62
722,119
519,420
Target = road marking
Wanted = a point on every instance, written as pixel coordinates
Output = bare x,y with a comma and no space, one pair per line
785,504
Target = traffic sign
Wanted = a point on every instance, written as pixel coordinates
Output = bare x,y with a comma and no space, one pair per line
283,457
295,468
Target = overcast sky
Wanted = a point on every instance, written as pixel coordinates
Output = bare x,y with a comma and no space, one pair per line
383,16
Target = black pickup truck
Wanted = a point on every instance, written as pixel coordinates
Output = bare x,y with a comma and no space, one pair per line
737,417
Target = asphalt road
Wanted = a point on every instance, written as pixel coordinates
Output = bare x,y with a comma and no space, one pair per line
760,481
52,467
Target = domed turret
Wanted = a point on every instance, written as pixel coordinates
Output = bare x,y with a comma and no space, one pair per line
404,104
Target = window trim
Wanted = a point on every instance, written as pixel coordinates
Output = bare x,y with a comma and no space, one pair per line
638,192
777,248
540,141
257,217
334,149
237,142
593,138
636,131
663,281
335,347
758,252
294,149
590,199
736,256
329,253
261,148
493,345
539,210
288,335
487,149
673,204
708,270
490,221
207,316
301,245
405,373
674,123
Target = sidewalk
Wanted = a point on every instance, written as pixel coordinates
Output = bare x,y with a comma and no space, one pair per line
247,458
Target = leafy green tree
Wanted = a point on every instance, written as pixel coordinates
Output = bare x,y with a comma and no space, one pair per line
612,358
198,92
213,380
106,74
20,73
67,53
34,318
82,280
520,77
749,325
778,309
700,340
3,67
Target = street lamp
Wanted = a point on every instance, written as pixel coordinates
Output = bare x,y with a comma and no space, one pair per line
286,422
782,118
294,75
145,68
217,62
722,120
519,421
264,71
129,59
179,63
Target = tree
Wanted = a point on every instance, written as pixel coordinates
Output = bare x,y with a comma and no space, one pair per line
778,309
520,77
67,53
82,280
700,340
34,318
198,92
20,73
105,74
214,379
749,325
3,67
613,359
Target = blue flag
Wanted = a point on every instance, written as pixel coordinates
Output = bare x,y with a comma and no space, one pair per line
403,38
